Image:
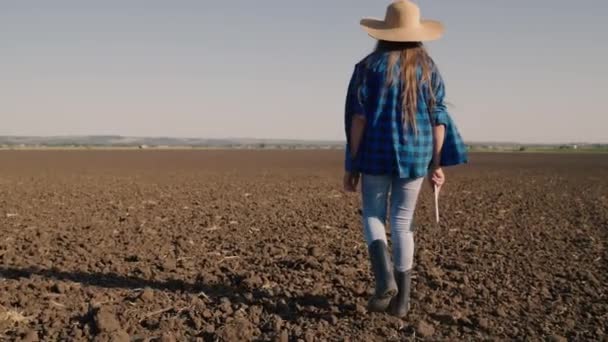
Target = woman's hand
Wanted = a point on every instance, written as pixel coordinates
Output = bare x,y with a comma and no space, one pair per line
351,181
437,178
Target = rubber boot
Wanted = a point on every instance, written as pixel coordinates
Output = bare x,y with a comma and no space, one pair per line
400,304
386,288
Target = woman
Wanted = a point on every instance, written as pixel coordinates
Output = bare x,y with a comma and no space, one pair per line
398,132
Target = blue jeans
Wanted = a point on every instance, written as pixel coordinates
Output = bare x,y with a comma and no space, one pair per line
403,198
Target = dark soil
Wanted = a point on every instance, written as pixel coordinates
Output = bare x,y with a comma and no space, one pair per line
237,246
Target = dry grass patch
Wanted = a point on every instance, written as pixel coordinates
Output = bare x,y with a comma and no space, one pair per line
12,316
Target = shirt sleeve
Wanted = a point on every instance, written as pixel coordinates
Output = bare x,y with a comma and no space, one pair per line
353,106
454,151
440,113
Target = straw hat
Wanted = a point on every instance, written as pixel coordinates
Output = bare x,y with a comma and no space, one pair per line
403,24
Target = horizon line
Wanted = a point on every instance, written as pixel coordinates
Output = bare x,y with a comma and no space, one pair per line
332,141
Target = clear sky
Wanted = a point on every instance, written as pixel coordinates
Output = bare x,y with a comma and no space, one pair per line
528,71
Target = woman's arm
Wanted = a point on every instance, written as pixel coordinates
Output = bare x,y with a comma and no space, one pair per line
354,120
437,177
353,126
438,138
357,129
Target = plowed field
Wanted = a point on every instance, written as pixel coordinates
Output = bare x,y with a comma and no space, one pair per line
264,245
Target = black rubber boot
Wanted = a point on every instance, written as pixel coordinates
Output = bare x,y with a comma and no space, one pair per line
400,304
386,288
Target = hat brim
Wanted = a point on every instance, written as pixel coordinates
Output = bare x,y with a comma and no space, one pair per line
428,30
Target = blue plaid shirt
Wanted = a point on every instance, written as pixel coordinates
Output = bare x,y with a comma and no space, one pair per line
389,146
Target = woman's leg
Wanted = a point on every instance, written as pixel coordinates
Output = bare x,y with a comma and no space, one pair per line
404,196
375,191
403,204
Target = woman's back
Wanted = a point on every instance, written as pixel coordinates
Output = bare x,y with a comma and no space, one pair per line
400,92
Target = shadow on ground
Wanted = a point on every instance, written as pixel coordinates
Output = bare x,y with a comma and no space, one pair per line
287,307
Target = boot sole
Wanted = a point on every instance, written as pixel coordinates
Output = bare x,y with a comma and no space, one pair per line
382,303
395,313
389,294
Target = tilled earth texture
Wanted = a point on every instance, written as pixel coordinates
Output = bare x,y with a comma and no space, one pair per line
264,246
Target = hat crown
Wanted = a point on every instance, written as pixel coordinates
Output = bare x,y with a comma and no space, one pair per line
402,13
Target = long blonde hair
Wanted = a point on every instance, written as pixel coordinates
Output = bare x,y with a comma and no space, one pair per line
410,57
